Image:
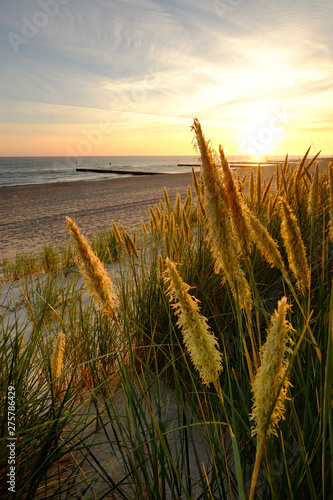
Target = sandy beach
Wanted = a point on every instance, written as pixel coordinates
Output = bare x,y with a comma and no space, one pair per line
34,215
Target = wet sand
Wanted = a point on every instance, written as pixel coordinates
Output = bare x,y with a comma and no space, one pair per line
34,215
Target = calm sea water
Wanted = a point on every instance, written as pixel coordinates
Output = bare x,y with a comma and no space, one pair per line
44,170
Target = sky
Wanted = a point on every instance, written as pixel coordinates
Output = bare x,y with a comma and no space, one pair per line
127,77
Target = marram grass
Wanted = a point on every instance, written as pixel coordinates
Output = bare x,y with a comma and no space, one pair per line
97,280
225,243
330,171
58,355
270,384
200,343
129,423
268,394
265,243
295,247
236,206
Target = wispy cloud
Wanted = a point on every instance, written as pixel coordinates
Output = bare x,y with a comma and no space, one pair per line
137,59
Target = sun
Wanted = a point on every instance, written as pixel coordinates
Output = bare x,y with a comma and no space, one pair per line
262,132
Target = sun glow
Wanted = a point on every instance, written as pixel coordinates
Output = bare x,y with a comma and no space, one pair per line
266,127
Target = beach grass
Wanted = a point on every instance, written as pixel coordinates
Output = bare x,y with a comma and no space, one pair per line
210,374
52,258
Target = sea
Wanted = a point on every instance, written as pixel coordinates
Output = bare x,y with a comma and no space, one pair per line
44,170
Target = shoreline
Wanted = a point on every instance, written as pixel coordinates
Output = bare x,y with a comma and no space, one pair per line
33,215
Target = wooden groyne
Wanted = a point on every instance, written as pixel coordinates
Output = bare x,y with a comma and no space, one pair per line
241,163
188,165
112,171
252,163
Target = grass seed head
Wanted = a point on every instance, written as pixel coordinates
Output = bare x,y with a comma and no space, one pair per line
330,171
265,243
269,403
166,198
186,227
97,279
200,343
294,247
236,205
144,230
224,242
130,245
117,233
251,188
259,186
178,208
58,355
152,220
313,195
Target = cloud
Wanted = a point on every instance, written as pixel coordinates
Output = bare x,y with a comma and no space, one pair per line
170,60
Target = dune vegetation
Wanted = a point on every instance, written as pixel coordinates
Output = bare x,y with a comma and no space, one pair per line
201,364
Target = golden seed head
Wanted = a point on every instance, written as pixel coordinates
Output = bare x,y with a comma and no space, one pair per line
152,220
129,244
267,190
171,223
117,233
186,227
265,243
251,188
144,229
200,343
259,186
300,167
166,198
97,280
294,247
277,178
187,205
330,171
269,399
178,207
313,195
236,205
167,244
188,202
163,223
158,213
271,209
224,242
58,355
195,182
